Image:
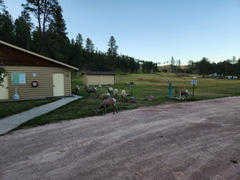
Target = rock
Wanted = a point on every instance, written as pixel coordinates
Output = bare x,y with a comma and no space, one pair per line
235,161
132,100
150,98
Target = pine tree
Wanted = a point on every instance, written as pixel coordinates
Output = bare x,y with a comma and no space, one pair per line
179,63
89,45
173,68
2,6
79,40
6,28
112,50
23,30
172,61
57,41
43,11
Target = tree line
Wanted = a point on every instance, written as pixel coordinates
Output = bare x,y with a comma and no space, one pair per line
223,68
49,38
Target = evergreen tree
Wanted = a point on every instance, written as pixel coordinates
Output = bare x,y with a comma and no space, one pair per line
179,63
35,43
43,11
112,50
6,28
89,45
172,61
57,41
23,30
204,67
79,40
50,39
2,6
173,68
234,60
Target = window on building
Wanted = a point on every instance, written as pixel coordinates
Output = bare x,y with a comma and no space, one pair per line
18,77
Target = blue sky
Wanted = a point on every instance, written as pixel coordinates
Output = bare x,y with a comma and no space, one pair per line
155,29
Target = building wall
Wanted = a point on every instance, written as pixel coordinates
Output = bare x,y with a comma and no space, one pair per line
43,77
99,79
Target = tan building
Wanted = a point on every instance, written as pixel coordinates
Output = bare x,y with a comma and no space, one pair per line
99,78
30,75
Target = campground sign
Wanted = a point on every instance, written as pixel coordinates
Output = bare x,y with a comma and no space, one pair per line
194,82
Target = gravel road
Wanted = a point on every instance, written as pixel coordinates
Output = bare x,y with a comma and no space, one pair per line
194,141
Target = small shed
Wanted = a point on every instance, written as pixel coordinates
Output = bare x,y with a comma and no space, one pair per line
99,78
32,76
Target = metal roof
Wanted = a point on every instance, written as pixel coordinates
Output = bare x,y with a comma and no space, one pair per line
99,73
38,55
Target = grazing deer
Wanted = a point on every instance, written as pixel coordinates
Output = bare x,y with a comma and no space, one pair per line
182,93
108,103
77,89
104,96
110,90
90,90
115,93
124,95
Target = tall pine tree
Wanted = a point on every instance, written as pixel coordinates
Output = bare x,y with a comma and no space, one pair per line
112,50
43,11
79,40
23,30
2,6
6,27
89,45
57,40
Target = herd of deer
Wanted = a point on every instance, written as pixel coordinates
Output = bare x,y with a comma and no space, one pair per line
109,99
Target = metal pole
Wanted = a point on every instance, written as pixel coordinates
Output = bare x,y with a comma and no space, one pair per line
193,89
170,89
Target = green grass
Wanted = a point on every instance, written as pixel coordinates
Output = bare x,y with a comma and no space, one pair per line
8,108
145,84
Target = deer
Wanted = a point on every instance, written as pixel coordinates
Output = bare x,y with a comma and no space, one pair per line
104,96
182,93
124,95
110,90
115,93
77,89
90,90
108,103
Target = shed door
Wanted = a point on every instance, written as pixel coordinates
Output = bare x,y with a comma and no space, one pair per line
4,89
58,84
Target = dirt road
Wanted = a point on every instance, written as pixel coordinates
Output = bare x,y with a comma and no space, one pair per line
197,140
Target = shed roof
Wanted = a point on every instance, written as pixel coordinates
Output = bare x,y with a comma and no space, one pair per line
99,73
38,55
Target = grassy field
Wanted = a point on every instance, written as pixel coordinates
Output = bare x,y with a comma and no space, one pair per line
14,107
145,84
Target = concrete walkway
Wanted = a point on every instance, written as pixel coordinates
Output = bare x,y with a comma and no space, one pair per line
11,122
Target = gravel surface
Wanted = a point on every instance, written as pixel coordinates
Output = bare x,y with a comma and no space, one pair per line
196,140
